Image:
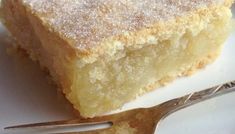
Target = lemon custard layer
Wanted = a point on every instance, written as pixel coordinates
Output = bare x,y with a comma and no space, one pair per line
105,53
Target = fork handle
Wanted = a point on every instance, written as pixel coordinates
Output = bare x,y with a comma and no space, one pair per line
196,97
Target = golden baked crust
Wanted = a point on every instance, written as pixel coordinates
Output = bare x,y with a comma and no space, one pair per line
101,64
90,26
87,22
114,28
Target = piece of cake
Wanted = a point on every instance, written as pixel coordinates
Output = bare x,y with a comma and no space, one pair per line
104,53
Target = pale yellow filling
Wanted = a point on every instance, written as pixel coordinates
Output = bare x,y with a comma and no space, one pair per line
105,85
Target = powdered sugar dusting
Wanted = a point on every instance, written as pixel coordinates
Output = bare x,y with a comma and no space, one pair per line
89,21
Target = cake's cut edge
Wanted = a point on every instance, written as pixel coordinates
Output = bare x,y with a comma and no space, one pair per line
201,64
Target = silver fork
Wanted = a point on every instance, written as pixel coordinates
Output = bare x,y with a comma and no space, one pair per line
138,121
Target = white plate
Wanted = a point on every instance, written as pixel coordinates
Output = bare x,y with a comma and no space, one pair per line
26,97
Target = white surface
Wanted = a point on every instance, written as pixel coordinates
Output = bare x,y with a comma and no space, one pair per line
26,97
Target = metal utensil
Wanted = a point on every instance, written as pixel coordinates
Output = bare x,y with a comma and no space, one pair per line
138,121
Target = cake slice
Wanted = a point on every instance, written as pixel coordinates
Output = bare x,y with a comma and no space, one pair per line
104,53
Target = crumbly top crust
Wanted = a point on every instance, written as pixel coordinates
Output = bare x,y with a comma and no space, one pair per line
87,22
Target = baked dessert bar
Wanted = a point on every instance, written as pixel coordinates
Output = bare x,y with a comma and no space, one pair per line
104,53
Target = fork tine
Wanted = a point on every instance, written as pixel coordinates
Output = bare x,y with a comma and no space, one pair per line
110,119
54,124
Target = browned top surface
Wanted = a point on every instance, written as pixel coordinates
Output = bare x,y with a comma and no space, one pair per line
87,22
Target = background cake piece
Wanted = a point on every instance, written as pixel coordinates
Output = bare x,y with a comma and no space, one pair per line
105,53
